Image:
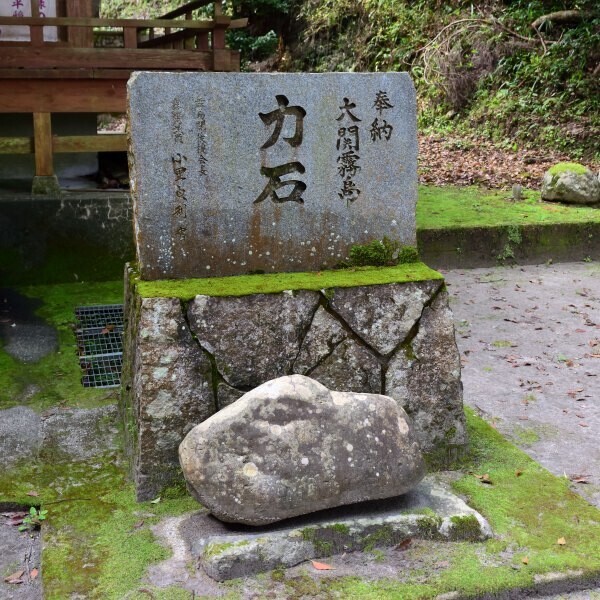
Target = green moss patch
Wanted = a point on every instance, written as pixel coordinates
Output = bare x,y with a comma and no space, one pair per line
565,167
97,538
55,380
466,207
529,510
244,285
98,542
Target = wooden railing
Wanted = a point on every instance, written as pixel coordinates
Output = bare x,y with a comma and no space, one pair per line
70,75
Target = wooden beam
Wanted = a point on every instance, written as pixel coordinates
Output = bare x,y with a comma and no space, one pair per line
42,135
66,96
140,23
16,145
186,8
163,40
62,74
103,142
107,58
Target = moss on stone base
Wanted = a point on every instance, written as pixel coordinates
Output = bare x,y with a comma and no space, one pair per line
271,283
465,527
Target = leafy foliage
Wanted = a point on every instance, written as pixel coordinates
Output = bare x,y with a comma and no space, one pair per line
33,520
476,65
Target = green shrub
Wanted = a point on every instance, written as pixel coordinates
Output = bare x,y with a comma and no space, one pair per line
382,253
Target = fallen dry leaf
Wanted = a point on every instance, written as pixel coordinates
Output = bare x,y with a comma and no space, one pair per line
582,424
518,473
561,541
404,544
525,560
580,478
107,329
321,566
15,577
33,573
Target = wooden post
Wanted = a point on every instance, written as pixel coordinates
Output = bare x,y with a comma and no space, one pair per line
36,31
45,183
189,42
42,135
130,37
80,37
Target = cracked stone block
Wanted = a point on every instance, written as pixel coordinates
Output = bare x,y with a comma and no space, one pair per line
227,395
383,315
171,392
424,378
330,355
253,338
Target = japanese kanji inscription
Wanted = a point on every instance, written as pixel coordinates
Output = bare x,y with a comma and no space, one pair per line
238,173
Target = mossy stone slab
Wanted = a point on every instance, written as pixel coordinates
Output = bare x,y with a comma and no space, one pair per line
272,283
429,511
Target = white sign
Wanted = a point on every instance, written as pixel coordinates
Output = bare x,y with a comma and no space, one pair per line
22,8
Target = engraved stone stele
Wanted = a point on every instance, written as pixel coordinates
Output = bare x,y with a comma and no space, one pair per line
234,173
291,447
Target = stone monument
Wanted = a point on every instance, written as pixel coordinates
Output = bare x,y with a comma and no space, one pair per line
237,173
248,190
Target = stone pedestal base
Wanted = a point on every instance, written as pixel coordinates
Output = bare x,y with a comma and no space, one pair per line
184,360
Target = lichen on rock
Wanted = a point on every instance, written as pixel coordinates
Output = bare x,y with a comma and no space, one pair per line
292,447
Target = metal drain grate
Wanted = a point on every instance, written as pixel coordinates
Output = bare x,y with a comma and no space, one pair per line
99,315
99,336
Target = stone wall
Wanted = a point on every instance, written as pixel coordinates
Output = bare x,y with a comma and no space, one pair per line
83,236
184,361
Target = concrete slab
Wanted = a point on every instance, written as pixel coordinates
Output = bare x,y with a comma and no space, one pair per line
26,336
529,339
20,552
430,511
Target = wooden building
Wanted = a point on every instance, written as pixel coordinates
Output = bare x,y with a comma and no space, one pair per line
59,69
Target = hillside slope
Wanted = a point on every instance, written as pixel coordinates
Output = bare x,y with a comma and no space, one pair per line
519,73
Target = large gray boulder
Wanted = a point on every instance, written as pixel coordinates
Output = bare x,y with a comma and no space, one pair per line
291,447
571,183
